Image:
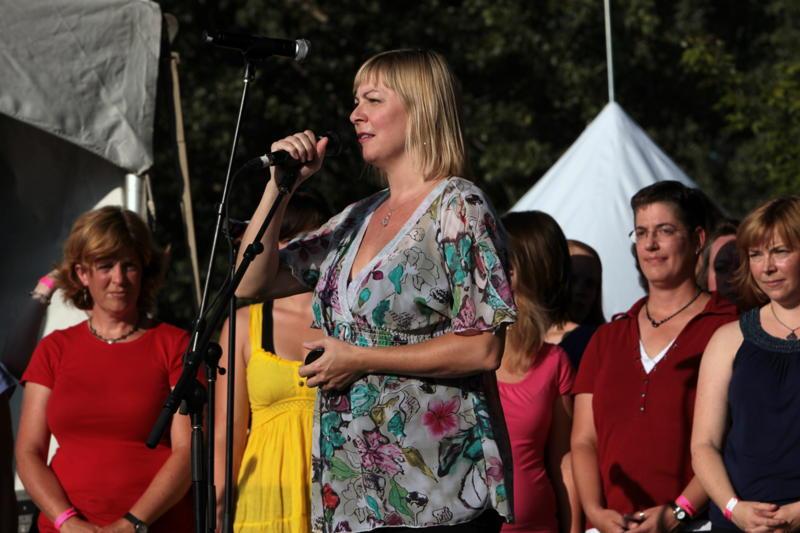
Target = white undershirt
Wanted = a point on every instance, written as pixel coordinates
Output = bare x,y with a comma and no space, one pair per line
649,363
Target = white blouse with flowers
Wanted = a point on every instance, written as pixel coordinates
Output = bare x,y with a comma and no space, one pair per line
398,450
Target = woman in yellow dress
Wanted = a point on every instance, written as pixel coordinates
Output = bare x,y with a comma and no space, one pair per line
271,461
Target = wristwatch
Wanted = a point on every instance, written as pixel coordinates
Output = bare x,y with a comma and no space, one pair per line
138,525
680,513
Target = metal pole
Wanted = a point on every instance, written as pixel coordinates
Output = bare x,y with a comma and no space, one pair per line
609,52
134,194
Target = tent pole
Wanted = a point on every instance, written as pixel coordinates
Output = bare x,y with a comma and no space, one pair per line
609,53
183,160
134,194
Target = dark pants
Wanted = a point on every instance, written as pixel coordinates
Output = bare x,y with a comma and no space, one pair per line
488,522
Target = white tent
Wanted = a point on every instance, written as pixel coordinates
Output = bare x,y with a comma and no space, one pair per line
588,192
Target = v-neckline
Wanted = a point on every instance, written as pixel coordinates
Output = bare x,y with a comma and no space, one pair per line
347,284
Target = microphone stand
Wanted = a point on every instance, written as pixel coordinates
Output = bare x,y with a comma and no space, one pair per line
204,345
188,393
227,517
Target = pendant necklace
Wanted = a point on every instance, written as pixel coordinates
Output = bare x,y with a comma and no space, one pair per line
116,339
792,336
388,216
656,323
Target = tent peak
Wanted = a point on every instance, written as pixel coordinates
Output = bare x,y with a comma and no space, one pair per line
588,192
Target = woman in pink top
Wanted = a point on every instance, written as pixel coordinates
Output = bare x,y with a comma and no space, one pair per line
535,378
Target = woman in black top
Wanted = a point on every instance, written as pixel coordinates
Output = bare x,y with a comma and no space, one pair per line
746,436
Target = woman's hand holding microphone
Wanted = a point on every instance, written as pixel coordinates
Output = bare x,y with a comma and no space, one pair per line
305,148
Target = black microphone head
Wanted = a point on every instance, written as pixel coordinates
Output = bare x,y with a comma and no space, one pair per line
256,47
335,144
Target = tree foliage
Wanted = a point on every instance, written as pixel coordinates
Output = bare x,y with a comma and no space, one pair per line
715,83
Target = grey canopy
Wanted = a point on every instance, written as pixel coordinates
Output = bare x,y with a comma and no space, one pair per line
77,104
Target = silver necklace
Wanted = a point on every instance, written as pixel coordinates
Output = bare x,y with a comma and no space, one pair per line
388,216
792,336
116,339
656,323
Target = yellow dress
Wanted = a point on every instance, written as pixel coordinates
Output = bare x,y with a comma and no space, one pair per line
274,477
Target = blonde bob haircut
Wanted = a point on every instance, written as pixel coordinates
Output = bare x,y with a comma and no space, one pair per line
110,232
431,97
776,218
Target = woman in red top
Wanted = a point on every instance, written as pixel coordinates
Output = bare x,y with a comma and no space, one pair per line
636,385
535,377
98,388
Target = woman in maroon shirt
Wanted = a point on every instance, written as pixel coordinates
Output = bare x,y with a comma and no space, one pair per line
636,384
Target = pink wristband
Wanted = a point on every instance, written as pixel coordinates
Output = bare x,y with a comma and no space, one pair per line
686,505
47,281
63,517
728,511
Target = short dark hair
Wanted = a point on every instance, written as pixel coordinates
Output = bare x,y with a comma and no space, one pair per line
691,205
723,227
595,314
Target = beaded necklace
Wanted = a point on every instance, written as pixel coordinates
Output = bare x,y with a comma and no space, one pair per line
114,340
656,323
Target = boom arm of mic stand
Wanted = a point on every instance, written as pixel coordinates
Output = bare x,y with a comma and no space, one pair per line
194,358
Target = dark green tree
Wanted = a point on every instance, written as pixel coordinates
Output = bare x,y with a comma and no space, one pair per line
714,83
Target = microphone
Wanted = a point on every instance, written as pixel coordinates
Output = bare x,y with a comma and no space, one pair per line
255,47
282,157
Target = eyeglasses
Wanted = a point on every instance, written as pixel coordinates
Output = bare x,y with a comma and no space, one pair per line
661,233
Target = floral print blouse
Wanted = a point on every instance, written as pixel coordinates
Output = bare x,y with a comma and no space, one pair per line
397,450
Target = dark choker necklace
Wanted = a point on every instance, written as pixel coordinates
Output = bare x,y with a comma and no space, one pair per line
656,323
116,339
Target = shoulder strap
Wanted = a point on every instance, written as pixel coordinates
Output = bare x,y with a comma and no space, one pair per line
750,323
267,339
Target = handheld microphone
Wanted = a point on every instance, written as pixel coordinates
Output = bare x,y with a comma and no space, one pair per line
255,47
313,355
282,157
